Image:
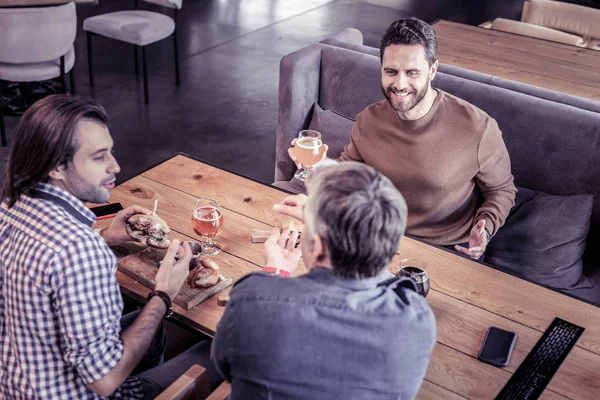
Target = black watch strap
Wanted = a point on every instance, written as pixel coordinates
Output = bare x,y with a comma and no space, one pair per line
165,297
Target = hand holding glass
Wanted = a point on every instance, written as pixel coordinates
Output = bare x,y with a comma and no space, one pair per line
307,151
208,222
417,271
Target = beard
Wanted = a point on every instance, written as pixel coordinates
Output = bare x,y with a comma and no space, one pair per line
86,191
412,99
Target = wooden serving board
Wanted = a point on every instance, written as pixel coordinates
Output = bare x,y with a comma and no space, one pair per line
142,266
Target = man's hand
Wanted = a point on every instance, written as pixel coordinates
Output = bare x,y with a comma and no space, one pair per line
477,241
292,155
281,251
116,234
292,206
172,274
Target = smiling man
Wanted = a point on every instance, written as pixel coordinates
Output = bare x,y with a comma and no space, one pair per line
446,156
61,331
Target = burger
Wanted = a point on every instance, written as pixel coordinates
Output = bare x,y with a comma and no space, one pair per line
206,274
149,229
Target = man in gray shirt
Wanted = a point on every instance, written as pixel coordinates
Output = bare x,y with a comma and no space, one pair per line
336,332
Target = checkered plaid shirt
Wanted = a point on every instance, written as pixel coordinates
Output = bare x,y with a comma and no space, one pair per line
60,304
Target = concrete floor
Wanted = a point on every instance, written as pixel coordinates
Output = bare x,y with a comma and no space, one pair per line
225,110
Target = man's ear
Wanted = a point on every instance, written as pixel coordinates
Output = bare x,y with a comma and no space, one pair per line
319,249
58,173
433,70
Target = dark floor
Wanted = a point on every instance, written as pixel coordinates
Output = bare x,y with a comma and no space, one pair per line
225,110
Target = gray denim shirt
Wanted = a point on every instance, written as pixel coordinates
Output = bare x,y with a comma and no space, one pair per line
321,336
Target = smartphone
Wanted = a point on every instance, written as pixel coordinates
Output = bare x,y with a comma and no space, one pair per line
497,346
107,211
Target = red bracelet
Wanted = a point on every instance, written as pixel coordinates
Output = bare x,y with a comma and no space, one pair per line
276,271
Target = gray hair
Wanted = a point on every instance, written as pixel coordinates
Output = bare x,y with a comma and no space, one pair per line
359,215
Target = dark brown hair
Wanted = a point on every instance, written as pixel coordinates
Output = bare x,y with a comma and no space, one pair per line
411,31
46,138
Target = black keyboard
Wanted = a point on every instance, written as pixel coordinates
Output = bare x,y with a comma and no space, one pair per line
533,375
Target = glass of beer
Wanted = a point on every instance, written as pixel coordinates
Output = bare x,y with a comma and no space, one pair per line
417,272
208,221
307,151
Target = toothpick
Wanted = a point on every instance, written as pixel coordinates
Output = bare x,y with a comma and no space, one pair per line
155,205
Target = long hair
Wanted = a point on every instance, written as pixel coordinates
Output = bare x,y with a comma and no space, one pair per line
46,138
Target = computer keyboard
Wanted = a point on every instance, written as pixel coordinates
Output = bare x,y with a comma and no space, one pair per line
535,372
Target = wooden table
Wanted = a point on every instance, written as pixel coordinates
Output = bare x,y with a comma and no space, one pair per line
465,296
568,69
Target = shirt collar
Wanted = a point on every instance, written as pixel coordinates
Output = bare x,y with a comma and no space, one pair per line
66,200
327,275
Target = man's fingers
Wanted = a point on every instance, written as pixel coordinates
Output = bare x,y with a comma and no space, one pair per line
171,252
185,252
477,249
132,210
292,240
283,238
274,235
324,149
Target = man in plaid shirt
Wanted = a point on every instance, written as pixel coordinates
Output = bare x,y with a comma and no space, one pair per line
60,305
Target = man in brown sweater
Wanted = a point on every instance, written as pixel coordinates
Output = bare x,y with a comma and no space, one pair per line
446,156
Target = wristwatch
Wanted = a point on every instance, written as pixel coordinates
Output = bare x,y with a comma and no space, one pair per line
165,297
277,271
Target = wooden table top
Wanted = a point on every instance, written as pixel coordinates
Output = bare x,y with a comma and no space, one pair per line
465,296
556,66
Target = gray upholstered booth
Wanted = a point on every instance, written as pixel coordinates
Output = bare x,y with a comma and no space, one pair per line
352,39
36,43
138,27
554,148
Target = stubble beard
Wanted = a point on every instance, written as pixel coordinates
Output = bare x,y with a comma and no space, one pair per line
417,97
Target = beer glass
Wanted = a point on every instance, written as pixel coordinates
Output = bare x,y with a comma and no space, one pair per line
307,151
208,221
417,272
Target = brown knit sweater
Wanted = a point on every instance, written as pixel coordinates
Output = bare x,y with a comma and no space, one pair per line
451,166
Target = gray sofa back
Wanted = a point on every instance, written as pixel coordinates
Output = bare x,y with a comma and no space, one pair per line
554,148
352,39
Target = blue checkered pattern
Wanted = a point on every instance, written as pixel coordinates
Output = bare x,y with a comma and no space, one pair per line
60,304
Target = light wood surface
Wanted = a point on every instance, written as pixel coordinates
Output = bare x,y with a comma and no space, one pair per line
466,297
551,65
192,385
29,3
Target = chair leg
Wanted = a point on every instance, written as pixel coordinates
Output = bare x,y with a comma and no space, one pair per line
72,79
135,58
177,80
90,64
2,127
63,80
145,69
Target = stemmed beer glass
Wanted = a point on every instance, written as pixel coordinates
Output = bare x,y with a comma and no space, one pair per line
208,222
307,151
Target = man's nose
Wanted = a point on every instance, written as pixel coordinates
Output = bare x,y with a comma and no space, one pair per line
402,82
114,167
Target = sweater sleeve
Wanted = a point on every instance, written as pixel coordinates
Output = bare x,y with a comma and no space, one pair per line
351,152
494,179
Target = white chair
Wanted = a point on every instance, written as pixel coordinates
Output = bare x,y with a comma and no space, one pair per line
138,27
556,21
36,44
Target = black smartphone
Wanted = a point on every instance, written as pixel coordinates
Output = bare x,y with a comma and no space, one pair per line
497,346
107,211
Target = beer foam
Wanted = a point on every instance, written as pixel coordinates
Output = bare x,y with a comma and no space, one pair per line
309,143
